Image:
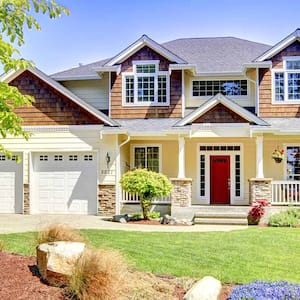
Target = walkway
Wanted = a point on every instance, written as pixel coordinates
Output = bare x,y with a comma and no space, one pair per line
12,223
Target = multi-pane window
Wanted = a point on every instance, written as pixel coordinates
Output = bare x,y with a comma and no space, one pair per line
237,175
203,88
146,157
293,162
146,85
287,80
202,175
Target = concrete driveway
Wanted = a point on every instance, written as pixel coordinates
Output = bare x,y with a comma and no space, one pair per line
12,223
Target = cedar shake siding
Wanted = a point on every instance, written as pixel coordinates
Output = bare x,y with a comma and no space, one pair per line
50,106
220,114
266,108
169,111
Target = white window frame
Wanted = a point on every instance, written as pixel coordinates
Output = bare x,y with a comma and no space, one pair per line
285,74
135,83
244,97
234,200
285,166
146,146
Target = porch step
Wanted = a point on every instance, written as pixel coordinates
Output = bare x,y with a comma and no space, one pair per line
221,217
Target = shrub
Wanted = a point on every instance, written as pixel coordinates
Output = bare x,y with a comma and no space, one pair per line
257,211
147,185
98,274
262,290
288,218
58,232
154,215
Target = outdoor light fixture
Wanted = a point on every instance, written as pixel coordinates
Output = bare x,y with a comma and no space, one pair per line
107,158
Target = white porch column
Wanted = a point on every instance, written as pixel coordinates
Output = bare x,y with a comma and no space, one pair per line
181,158
118,177
259,157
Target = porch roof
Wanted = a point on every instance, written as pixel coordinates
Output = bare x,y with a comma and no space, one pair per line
284,125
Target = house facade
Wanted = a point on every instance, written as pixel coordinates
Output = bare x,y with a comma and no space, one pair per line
206,112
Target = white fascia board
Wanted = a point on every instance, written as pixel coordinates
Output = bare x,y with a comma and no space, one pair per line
137,45
115,68
280,46
182,67
77,77
263,64
57,86
62,128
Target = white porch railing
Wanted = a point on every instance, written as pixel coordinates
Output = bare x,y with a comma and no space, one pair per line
285,192
134,198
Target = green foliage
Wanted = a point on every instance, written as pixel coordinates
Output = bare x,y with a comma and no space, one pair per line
15,16
288,218
147,185
154,215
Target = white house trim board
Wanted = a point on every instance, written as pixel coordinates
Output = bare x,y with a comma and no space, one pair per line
144,40
294,36
219,98
8,77
234,200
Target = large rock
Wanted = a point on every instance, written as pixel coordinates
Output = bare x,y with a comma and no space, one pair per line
56,261
208,288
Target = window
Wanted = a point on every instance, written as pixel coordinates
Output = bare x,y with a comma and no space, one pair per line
146,85
147,157
204,88
293,162
287,80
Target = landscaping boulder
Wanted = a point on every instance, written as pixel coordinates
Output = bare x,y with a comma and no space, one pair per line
56,261
208,288
120,218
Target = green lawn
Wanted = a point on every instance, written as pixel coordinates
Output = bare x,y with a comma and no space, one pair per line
238,256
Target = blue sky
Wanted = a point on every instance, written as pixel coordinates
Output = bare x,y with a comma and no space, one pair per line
98,29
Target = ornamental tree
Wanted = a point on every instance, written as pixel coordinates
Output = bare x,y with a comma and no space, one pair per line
15,16
147,185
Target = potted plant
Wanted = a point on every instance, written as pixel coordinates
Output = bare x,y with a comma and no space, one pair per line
257,211
278,155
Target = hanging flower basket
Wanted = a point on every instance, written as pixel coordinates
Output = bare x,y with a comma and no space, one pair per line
278,155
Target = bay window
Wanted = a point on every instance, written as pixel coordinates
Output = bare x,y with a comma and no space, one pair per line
146,85
286,81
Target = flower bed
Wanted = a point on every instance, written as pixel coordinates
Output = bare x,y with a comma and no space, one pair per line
262,290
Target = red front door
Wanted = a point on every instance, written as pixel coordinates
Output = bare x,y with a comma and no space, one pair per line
220,179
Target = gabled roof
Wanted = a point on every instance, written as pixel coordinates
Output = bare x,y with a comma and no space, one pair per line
143,41
294,36
208,55
8,77
212,102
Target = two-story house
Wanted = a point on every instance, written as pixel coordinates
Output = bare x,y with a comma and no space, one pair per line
206,112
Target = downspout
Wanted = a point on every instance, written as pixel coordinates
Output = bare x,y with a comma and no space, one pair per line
118,173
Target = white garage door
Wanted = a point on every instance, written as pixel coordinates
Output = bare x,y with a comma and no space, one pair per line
65,183
11,189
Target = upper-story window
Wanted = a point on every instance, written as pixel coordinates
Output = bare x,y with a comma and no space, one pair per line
204,88
146,85
286,81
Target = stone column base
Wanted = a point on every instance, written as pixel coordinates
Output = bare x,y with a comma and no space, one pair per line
181,194
260,189
106,199
26,203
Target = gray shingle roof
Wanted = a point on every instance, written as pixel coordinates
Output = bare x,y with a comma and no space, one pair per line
210,55
220,54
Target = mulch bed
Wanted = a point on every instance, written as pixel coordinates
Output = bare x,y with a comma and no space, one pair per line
152,222
20,280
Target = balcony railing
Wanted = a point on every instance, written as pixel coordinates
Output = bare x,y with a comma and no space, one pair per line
285,192
134,198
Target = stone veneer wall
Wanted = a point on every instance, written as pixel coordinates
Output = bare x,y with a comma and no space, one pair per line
181,194
260,189
106,199
26,206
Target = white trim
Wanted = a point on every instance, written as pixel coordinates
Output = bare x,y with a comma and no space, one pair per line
257,92
182,93
109,94
145,145
219,98
136,75
116,68
76,77
63,128
285,145
181,157
294,36
8,77
234,200
144,40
